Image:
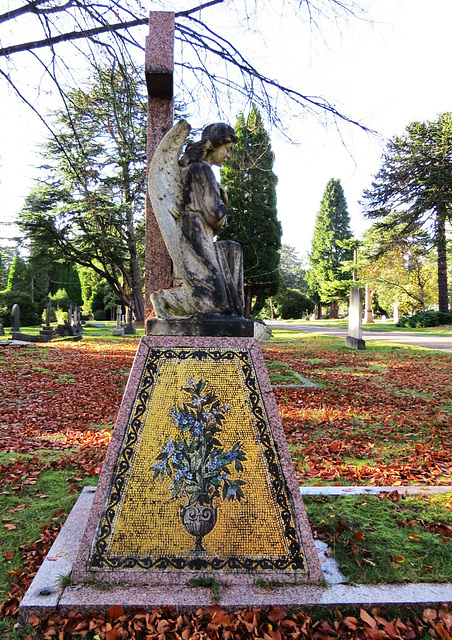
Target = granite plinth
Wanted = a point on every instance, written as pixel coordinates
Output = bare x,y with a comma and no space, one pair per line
221,326
355,343
134,533
117,332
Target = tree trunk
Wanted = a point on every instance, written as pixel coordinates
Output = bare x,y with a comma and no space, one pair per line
318,311
443,299
333,310
137,290
248,300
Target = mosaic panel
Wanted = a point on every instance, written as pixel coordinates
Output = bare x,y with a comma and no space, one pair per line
198,484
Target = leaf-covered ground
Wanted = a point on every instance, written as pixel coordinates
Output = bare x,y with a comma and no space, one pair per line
380,417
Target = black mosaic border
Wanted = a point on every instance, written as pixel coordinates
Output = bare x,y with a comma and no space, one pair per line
99,559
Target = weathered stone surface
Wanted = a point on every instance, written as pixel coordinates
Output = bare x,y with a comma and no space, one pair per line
159,58
15,318
221,326
190,208
354,339
355,343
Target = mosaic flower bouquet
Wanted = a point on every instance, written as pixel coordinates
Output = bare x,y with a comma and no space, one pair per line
197,462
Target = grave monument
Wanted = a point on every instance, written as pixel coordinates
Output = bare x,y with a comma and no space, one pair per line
198,483
354,339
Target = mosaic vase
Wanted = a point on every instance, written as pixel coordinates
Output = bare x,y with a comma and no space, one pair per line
199,520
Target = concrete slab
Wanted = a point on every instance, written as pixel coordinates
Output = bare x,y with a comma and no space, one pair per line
44,592
43,595
363,490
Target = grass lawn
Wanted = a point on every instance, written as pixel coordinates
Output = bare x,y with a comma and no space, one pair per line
382,416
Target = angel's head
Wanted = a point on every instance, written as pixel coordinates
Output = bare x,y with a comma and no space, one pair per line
215,146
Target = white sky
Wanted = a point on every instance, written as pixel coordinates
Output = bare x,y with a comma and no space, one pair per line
385,74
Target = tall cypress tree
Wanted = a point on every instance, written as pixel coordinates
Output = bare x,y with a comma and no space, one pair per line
331,246
252,212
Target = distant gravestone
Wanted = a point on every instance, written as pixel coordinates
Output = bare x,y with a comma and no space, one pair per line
368,308
129,329
69,314
15,318
47,326
354,339
118,331
47,332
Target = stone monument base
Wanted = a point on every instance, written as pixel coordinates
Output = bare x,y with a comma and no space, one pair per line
355,343
205,406
209,326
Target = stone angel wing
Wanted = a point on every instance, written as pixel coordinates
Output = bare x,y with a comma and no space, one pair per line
166,188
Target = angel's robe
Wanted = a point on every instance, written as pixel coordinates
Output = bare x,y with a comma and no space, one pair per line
209,274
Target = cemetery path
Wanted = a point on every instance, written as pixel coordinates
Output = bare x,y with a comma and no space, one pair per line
441,343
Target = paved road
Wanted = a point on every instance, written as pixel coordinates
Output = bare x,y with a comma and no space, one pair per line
441,343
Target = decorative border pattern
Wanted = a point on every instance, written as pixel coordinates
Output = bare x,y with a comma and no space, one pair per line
100,560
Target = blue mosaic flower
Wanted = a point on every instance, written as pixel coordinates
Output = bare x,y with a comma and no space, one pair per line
214,464
182,474
159,466
232,455
169,447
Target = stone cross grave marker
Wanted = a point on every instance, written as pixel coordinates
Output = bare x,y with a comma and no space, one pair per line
15,319
159,60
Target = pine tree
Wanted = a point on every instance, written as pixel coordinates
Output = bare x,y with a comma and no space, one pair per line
252,212
331,247
19,276
88,206
413,188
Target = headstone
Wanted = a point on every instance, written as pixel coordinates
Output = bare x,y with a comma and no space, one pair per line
129,329
159,59
383,319
15,319
156,521
396,313
368,317
70,319
354,338
118,331
47,313
47,332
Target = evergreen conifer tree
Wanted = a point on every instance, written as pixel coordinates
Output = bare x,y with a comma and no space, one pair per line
19,276
331,246
252,212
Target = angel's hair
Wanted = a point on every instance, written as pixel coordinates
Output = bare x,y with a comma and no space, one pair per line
213,136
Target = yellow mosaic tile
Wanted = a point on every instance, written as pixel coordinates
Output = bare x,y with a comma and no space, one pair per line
146,522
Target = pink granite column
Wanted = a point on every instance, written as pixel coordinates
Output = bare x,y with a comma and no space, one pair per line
159,79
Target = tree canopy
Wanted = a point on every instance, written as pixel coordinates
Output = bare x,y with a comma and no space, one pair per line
400,269
252,212
331,248
413,188
89,203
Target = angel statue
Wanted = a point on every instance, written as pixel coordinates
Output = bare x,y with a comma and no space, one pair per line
190,208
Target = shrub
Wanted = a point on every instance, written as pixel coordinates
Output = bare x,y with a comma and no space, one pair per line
292,303
426,319
29,311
